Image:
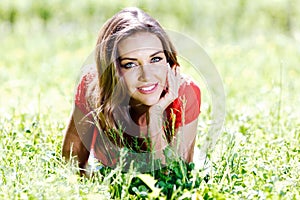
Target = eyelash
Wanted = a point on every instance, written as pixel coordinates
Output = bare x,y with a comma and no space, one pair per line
126,66
153,60
156,58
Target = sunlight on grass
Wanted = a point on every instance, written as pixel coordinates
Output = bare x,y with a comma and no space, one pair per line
254,46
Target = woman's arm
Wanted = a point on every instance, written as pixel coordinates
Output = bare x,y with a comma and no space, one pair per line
156,133
155,127
183,143
184,140
78,145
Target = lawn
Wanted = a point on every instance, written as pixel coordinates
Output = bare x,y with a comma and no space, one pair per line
254,46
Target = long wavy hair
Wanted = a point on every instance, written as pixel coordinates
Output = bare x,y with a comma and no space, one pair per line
109,92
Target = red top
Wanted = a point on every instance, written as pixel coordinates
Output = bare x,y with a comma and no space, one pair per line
189,100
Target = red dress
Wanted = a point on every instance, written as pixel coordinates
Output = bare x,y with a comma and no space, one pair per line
189,100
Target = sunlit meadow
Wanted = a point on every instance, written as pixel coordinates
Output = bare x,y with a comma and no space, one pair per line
254,45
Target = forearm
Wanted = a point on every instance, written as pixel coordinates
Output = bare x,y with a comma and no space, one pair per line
75,148
183,148
184,141
74,145
157,135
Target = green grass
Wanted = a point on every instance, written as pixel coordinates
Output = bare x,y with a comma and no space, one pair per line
254,46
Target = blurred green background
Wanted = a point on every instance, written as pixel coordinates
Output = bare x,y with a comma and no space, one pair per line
44,43
255,46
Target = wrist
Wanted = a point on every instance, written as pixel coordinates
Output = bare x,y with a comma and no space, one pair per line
156,110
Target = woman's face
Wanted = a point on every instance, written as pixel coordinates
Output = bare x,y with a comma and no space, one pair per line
143,67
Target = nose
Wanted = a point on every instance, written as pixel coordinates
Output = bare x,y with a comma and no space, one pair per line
144,72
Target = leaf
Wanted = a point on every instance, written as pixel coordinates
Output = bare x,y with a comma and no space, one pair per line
150,182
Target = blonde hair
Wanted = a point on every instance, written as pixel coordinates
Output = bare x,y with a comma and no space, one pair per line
106,96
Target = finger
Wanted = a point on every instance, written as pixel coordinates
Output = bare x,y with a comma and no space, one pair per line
172,92
178,76
171,79
173,84
178,71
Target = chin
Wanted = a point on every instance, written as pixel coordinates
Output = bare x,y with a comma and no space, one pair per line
150,102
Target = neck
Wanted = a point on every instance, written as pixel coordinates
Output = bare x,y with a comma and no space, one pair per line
138,112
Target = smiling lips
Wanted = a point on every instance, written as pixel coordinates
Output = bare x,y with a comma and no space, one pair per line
148,89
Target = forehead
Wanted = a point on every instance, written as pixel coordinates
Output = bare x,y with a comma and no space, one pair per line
141,41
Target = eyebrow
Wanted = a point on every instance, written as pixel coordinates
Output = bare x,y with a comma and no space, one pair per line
127,58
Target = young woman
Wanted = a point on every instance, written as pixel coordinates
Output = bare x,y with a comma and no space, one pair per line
135,97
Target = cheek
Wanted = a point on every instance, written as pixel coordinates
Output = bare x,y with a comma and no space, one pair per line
128,79
163,75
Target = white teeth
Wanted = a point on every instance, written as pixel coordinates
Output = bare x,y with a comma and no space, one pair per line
147,88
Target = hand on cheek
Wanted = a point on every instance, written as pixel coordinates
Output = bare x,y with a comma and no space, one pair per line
172,83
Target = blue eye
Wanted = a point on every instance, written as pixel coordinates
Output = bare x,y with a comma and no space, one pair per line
129,65
156,59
